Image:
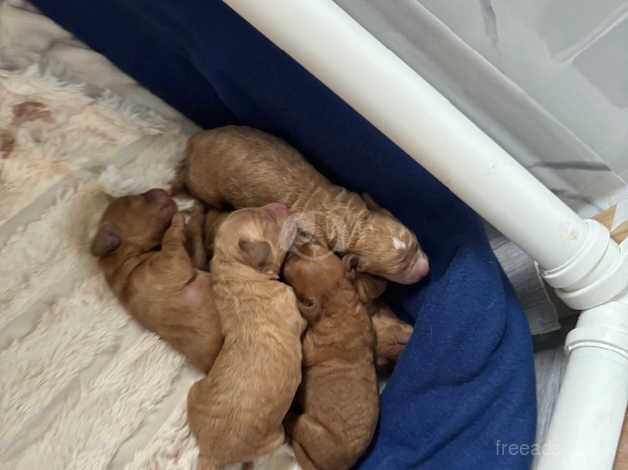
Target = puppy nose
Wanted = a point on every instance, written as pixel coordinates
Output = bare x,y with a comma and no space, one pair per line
422,267
156,195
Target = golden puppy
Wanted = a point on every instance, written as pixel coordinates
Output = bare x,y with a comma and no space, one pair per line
339,396
246,167
236,412
391,334
147,266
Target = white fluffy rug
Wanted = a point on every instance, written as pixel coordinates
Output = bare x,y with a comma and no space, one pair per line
81,384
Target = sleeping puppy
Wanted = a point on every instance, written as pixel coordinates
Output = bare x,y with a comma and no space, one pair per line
236,412
391,334
245,167
146,264
339,395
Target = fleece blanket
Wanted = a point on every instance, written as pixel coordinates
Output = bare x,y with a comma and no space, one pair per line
464,386
82,385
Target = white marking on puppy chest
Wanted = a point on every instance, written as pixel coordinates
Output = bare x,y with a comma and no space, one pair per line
399,244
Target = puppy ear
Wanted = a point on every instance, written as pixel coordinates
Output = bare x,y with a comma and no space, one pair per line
256,252
105,242
309,310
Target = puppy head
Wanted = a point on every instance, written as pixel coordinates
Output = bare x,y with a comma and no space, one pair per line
312,272
138,221
256,237
388,249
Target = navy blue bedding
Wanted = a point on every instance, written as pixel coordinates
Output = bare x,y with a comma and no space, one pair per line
465,385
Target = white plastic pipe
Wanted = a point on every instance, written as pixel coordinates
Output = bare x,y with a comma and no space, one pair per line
576,255
589,413
375,82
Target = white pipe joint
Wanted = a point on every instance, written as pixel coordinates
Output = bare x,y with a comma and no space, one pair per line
588,417
596,274
580,259
595,244
589,413
604,327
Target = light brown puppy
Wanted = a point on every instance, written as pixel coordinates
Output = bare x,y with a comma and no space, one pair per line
236,412
245,167
339,396
160,287
391,334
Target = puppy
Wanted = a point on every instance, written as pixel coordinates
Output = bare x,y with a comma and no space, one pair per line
339,396
245,167
236,412
146,264
391,334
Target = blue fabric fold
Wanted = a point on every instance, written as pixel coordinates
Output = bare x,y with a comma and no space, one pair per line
464,388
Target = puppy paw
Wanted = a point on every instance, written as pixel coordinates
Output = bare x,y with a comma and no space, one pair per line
176,232
178,221
196,221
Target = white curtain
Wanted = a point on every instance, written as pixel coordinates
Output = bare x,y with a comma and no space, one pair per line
547,79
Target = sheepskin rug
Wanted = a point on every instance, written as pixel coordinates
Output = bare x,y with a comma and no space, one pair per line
82,386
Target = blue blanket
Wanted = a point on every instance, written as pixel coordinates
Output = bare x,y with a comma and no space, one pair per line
464,387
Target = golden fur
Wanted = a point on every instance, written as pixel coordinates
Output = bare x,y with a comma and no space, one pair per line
236,412
160,287
213,220
391,334
245,167
339,396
